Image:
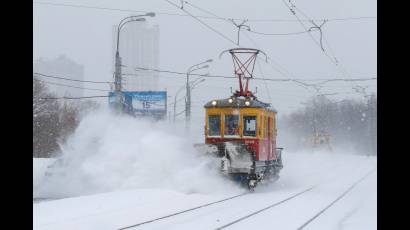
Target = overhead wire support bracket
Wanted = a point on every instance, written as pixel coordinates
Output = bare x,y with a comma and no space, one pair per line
292,7
239,26
315,26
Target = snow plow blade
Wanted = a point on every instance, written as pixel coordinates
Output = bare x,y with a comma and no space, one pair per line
236,158
220,149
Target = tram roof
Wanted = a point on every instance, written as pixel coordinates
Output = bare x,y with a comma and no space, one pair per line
239,102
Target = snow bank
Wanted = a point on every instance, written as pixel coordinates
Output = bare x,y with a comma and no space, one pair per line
109,152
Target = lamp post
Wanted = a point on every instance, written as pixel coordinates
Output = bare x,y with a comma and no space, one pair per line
188,91
193,83
175,102
118,75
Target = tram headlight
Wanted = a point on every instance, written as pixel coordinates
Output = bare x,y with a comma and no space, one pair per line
213,103
247,103
230,100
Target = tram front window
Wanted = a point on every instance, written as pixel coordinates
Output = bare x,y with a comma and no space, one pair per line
231,125
214,125
249,126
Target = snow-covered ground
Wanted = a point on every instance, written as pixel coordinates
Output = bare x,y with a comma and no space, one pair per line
333,173
120,172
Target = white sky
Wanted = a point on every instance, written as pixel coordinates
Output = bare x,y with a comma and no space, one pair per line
85,35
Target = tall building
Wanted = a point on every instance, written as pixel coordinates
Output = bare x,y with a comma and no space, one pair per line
64,67
139,47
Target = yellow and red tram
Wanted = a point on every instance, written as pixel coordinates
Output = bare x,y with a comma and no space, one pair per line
243,130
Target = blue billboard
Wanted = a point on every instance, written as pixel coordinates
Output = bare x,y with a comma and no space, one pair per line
145,103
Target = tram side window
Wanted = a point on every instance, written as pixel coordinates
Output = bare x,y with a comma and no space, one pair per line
231,125
214,125
249,126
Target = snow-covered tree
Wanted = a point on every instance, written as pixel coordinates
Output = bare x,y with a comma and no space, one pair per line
45,121
53,121
350,122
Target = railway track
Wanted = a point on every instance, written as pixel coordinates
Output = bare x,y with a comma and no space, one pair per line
334,201
184,211
266,208
258,211
215,202
295,195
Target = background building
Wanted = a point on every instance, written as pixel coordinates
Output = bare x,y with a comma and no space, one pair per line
139,47
61,66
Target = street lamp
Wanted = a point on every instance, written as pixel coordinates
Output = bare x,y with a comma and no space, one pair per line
196,82
118,75
188,90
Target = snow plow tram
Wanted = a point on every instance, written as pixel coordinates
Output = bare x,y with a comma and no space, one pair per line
241,130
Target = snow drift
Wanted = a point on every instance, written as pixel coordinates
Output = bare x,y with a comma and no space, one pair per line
110,152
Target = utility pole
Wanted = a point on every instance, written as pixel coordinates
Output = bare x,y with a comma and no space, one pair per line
188,102
117,82
118,75
191,87
175,102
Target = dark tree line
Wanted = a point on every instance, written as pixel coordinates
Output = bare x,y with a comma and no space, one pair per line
53,120
350,123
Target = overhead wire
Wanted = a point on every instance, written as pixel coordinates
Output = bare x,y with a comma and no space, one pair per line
316,87
325,80
331,57
317,19
279,34
225,37
277,93
343,70
250,30
193,16
278,68
185,15
272,61
203,23
69,79
57,98
70,86
302,84
260,71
